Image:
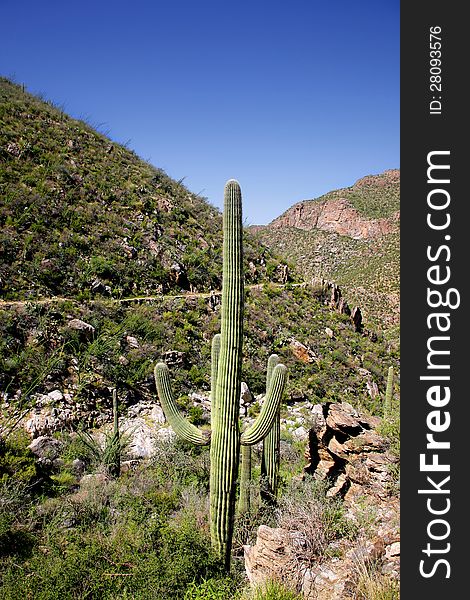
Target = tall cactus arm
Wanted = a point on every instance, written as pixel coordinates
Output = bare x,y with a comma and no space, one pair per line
271,447
270,462
273,360
264,422
244,501
181,426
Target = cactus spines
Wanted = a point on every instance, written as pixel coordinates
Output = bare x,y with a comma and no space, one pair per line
226,362
389,393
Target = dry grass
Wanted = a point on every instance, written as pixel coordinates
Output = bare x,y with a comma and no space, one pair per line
374,585
314,520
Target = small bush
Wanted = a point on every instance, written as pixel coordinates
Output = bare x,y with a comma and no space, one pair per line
212,589
316,519
373,585
14,502
16,459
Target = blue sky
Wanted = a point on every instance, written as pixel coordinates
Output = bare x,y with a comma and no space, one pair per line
293,99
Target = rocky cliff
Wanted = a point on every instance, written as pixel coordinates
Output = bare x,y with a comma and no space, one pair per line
336,212
350,236
346,450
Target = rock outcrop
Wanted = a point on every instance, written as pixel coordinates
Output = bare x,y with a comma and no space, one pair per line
344,449
337,215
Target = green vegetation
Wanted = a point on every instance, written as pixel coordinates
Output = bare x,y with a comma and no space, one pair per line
83,219
82,216
37,345
273,590
389,393
99,530
143,535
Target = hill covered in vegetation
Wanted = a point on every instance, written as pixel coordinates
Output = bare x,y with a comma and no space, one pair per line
82,216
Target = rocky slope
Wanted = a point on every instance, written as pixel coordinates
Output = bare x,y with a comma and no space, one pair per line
337,213
350,236
131,259
346,450
83,217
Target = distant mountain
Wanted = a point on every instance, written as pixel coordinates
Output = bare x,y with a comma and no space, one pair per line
350,236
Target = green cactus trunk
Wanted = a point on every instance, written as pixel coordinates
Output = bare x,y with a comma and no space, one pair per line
270,462
225,441
244,501
389,394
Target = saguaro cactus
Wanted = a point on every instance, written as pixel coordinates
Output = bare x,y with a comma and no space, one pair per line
225,438
270,456
389,393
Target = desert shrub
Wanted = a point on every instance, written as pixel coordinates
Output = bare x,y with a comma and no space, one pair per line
213,589
246,524
131,538
14,502
16,459
316,520
390,430
180,464
105,455
374,585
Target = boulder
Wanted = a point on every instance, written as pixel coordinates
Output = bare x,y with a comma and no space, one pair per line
301,352
45,448
85,328
345,449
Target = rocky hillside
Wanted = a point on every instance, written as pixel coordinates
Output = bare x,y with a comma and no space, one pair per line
86,221
350,236
346,453
350,211
84,217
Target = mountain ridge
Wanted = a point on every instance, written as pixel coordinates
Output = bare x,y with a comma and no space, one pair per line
350,236
337,212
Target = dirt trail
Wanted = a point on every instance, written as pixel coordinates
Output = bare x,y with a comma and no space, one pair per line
58,299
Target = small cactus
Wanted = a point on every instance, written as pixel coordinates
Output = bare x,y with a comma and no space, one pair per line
389,394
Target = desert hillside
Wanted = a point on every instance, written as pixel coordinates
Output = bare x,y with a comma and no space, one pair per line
350,236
